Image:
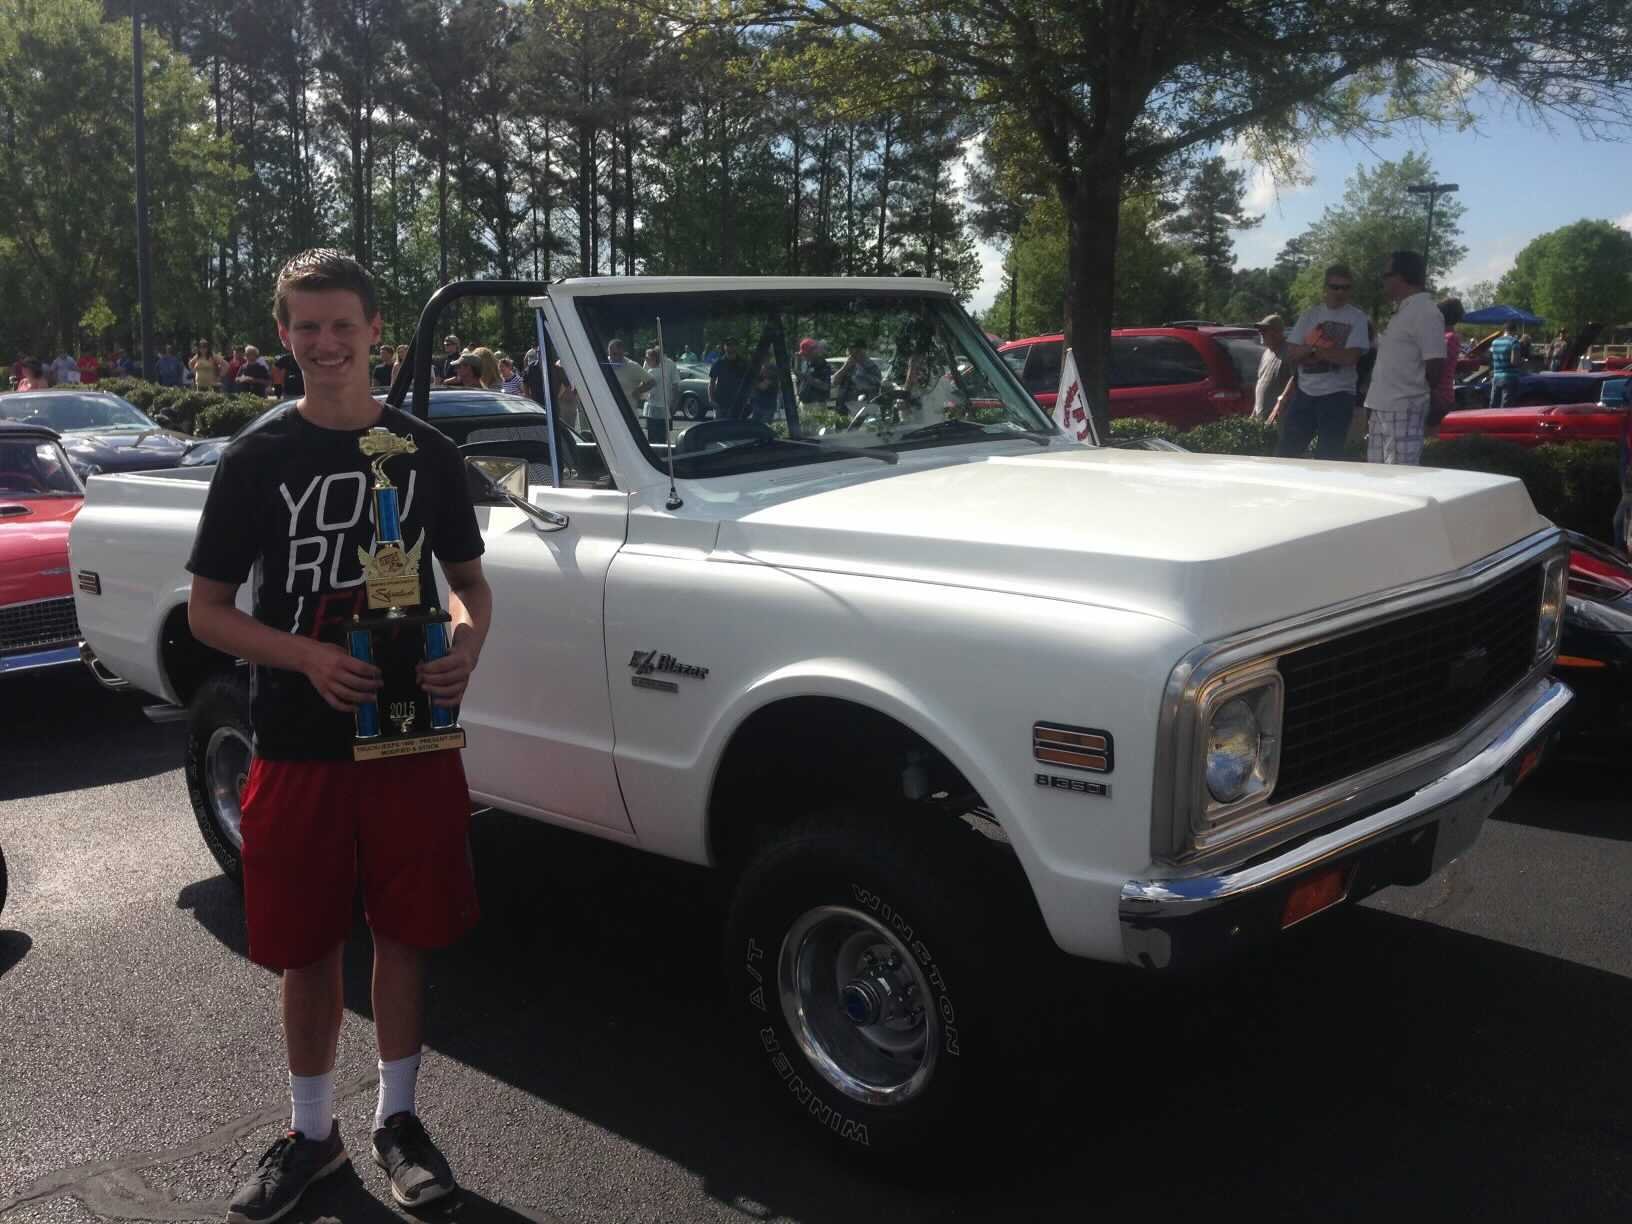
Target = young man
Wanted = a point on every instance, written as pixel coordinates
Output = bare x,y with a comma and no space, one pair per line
1326,344
291,502
1410,359
1504,367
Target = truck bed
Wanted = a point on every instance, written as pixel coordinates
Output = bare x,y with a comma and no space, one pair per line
134,533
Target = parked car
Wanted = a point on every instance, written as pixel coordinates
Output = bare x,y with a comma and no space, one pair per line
1183,375
100,432
946,700
40,493
1548,412
1595,652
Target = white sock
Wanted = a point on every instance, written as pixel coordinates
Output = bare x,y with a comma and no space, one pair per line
311,1098
397,1079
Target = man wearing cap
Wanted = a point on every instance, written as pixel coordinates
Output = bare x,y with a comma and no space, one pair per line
464,370
1273,373
1326,345
815,382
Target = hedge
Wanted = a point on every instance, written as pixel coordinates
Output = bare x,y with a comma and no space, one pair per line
205,414
1575,484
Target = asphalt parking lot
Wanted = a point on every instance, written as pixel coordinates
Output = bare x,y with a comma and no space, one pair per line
1456,1051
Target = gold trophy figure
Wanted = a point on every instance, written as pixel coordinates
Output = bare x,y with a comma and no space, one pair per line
385,636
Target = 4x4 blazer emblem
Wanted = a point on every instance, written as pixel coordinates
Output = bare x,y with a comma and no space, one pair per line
644,662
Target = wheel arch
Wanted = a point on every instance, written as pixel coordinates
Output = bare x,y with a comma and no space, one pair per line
184,661
827,742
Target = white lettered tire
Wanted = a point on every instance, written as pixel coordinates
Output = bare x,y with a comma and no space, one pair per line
860,958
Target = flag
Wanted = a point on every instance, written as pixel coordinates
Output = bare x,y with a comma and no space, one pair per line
1070,408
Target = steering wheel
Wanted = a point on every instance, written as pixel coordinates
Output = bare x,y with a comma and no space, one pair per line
705,433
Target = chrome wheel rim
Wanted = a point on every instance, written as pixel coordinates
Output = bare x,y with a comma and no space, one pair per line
859,1005
226,767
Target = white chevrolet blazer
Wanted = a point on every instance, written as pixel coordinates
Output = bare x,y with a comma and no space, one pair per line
944,694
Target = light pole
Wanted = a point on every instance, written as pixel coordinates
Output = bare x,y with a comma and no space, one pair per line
144,270
1433,191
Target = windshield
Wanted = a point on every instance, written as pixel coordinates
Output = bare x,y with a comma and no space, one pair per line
34,467
68,413
794,376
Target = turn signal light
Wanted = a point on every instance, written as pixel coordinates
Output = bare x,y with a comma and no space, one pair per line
1578,661
1318,892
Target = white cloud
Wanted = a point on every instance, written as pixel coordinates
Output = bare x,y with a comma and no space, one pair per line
1625,222
1263,192
1493,258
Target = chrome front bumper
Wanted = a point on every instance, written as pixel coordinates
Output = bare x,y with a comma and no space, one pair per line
1182,920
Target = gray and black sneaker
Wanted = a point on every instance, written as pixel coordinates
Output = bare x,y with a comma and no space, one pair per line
419,1174
285,1170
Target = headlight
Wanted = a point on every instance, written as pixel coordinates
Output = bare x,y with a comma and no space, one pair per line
1240,743
1234,750
1551,618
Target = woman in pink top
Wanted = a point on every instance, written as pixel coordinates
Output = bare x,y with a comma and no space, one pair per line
1445,394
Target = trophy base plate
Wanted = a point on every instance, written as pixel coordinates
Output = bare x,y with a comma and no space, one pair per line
407,745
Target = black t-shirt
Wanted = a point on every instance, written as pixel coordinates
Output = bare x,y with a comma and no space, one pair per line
382,374
292,502
294,382
728,374
255,375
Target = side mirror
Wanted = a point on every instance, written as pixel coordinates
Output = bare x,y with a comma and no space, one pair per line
494,476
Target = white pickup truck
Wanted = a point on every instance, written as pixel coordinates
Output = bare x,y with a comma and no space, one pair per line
944,694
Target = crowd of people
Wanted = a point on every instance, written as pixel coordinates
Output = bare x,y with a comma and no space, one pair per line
1314,374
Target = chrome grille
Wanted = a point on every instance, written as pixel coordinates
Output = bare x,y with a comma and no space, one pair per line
45,622
1383,691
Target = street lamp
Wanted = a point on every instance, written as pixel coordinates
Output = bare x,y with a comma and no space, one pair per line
144,246
1433,191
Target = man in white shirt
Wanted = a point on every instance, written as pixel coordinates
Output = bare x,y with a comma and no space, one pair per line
1410,359
662,379
1325,344
631,377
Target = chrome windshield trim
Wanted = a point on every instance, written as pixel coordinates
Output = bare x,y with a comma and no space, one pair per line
1178,729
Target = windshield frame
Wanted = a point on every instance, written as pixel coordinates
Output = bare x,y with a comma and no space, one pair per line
682,296
64,464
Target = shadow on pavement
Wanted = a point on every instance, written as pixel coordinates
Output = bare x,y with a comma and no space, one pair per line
70,733
1573,797
14,945
1367,1065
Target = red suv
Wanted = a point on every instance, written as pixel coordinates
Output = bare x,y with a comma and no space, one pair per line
1184,375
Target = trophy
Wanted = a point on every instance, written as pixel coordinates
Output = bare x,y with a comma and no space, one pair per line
397,631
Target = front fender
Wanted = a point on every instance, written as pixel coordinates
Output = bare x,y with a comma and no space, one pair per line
968,671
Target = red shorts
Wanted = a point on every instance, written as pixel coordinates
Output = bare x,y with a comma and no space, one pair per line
311,827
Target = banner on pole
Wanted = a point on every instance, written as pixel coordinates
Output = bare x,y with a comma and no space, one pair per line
1070,408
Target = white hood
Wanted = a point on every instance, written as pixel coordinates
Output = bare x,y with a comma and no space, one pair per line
1216,543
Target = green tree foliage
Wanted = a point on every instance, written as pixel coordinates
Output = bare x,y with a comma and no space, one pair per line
1160,280
1211,208
1571,276
1377,215
65,204
1116,91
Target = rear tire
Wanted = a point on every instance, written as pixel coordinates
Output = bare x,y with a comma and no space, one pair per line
218,756
866,959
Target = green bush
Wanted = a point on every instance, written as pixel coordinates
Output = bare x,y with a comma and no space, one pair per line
1240,435
1142,427
1590,474
135,390
227,414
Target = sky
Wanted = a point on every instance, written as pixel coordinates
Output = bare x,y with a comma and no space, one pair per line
1517,180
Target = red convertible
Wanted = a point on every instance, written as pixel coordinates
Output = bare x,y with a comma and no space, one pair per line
1575,407
39,496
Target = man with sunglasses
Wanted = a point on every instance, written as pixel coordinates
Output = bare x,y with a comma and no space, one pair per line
1326,344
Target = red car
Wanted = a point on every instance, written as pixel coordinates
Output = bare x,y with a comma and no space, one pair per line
39,496
1186,375
1552,408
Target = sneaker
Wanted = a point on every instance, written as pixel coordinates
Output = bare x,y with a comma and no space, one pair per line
419,1174
282,1175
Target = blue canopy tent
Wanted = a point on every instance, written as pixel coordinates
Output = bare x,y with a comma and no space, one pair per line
1500,315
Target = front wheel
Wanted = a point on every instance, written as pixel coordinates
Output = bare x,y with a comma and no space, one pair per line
865,966
218,756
